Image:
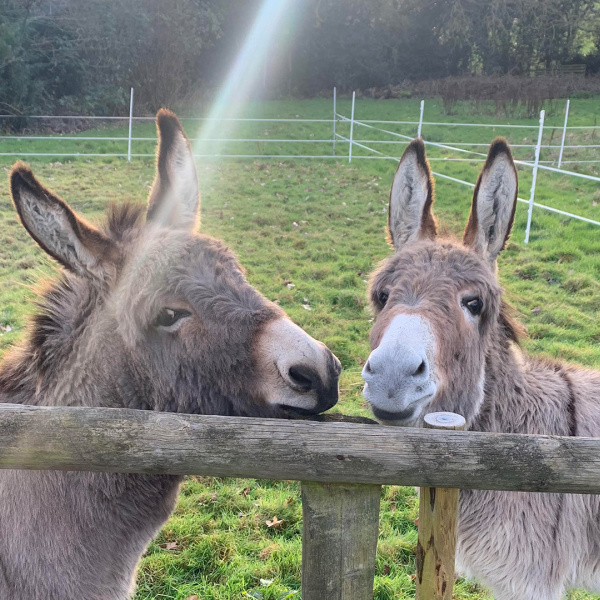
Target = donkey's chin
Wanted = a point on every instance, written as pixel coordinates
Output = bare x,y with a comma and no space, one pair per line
407,417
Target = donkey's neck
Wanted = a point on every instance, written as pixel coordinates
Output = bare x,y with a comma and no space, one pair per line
62,360
524,395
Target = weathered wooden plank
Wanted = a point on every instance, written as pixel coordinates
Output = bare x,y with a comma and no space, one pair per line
339,540
93,439
438,516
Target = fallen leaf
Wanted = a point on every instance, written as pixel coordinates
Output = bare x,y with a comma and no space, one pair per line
170,546
266,582
274,522
245,492
194,597
386,570
536,311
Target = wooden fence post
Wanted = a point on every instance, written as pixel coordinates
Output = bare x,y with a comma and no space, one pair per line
438,515
339,540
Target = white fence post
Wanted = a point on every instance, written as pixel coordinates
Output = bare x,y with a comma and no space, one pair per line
421,119
562,143
130,124
534,175
351,128
334,118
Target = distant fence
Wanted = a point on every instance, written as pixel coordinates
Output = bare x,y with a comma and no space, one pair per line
467,150
341,466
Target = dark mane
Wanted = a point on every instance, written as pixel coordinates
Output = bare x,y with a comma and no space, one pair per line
122,219
510,327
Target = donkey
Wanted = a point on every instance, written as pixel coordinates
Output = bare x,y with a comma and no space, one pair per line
147,315
443,340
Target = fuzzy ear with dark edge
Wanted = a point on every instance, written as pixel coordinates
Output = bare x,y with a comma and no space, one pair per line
174,198
77,245
410,215
494,203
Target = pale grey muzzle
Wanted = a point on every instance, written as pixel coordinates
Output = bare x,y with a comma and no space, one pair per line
398,375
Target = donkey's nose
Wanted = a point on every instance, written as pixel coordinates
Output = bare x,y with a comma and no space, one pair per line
303,378
405,366
297,371
399,374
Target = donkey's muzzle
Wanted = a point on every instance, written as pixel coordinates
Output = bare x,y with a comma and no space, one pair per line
299,373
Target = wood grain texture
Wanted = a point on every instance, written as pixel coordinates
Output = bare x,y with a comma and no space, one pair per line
438,517
129,441
339,540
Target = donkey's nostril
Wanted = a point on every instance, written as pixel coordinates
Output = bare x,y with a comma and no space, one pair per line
368,368
302,378
420,369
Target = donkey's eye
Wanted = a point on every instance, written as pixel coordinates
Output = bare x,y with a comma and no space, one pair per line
382,297
473,305
170,316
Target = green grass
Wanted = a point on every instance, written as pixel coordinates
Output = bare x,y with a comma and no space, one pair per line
319,225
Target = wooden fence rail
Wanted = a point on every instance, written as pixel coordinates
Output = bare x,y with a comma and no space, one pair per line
342,466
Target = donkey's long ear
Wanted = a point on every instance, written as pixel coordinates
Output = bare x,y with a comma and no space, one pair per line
174,198
55,227
410,215
494,203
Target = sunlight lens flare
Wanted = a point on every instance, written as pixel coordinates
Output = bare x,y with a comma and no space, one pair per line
267,29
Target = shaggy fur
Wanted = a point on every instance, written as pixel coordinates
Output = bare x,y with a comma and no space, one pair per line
524,546
97,340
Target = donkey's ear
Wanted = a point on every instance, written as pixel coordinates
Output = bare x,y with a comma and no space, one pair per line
56,228
494,203
410,215
174,198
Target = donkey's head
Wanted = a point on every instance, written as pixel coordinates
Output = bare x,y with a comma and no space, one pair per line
438,304
153,315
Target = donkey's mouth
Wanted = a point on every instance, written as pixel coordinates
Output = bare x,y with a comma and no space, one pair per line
384,415
403,418
296,412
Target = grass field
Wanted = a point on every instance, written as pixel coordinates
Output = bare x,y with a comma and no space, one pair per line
309,232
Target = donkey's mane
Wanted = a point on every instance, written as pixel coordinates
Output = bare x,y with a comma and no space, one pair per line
510,327
122,219
52,324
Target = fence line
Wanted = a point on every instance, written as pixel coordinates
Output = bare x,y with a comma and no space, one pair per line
468,183
535,166
467,148
448,147
60,137
138,441
341,467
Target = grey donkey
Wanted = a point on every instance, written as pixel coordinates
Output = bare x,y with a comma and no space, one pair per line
148,315
443,340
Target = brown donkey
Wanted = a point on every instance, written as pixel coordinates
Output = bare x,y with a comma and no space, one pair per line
443,341
147,315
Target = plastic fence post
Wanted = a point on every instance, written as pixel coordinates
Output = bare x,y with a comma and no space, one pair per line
334,118
534,175
421,119
351,128
562,143
130,124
